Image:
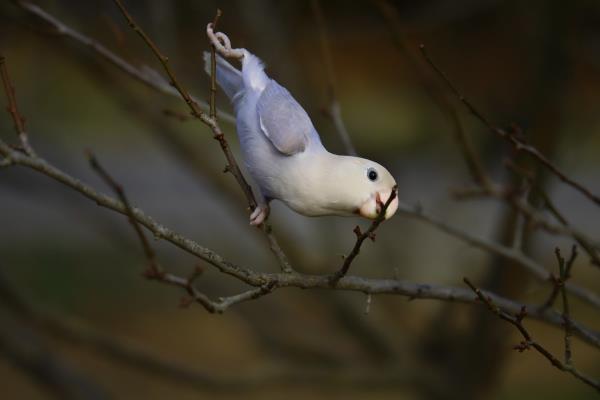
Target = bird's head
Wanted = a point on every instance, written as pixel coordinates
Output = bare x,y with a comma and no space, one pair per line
365,187
380,185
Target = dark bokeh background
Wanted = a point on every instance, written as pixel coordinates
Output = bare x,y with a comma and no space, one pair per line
534,63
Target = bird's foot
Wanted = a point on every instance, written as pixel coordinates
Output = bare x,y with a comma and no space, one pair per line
259,215
222,44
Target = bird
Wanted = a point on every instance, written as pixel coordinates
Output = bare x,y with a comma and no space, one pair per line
283,152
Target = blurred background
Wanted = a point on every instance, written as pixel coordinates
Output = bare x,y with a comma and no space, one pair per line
79,309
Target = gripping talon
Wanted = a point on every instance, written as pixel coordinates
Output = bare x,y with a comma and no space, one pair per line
259,215
223,44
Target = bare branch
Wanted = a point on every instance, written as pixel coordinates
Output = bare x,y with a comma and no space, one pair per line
154,267
474,164
212,123
13,109
361,237
281,280
213,71
144,74
565,273
512,254
77,332
510,137
533,216
581,239
155,271
517,321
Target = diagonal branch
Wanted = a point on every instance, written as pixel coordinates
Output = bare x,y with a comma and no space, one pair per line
517,321
145,74
154,267
513,254
156,272
281,280
212,123
13,109
473,161
516,142
565,273
361,237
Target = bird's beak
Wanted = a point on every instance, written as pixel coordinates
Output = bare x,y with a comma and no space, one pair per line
372,207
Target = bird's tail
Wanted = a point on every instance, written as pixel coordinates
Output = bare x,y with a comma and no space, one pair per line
229,78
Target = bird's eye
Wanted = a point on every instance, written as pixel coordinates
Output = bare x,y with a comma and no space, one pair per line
372,174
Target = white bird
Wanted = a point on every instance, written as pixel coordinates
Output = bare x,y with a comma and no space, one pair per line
283,152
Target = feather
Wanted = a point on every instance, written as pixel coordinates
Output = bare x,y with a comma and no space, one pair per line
283,120
228,77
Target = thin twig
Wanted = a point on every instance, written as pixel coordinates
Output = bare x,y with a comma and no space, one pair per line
281,280
581,239
77,332
517,321
156,272
515,255
154,268
334,109
232,165
516,142
361,237
534,217
565,273
213,71
472,160
144,74
13,108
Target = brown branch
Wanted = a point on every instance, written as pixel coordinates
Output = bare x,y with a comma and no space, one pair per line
13,108
154,80
212,123
474,163
76,332
259,280
281,280
154,268
565,274
144,74
533,215
156,272
213,71
517,321
361,237
513,254
581,239
334,110
510,137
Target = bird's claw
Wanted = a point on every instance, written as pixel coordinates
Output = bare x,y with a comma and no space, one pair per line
259,215
223,44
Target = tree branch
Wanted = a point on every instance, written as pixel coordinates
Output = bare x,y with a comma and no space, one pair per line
144,74
282,280
13,109
516,319
472,160
513,254
361,237
212,123
513,139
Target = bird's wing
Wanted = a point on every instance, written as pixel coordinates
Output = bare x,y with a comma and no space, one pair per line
283,120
